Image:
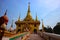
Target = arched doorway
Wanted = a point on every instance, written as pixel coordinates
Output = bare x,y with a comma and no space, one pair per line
35,30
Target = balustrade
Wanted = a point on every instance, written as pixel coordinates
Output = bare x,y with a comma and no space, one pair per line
49,36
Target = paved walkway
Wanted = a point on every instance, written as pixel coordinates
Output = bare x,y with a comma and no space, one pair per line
34,37
30,37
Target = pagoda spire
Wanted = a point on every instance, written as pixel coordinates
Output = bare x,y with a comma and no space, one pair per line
29,7
28,13
5,12
11,27
19,18
36,17
12,24
42,26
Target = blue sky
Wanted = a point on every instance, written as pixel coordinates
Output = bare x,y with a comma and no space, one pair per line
48,10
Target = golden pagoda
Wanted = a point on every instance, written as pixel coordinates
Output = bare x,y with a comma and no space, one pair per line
28,23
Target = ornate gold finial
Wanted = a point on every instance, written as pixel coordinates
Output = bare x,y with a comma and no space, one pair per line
36,17
42,26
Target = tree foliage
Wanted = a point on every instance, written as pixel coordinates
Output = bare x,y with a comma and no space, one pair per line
56,29
48,29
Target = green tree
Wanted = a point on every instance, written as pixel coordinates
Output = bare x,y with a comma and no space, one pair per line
48,29
56,29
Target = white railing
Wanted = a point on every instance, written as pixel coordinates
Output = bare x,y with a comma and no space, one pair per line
49,36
